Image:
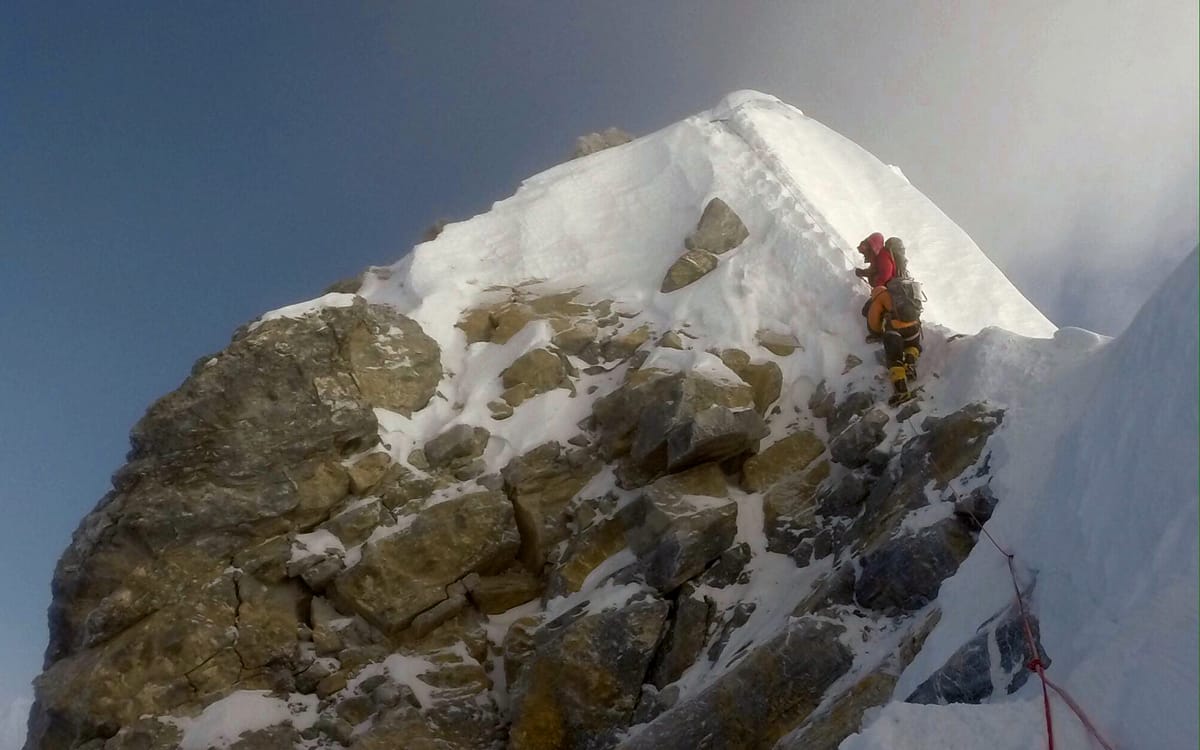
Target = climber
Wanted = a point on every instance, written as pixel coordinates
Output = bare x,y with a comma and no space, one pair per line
894,314
881,266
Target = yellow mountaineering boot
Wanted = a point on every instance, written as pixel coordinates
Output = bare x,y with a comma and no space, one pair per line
911,354
899,386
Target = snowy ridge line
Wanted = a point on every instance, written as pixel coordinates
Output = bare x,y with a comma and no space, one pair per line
741,126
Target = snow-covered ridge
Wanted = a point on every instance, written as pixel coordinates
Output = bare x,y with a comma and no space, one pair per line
615,221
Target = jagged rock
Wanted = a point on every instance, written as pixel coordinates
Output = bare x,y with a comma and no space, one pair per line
684,640
719,231
460,443
583,682
146,734
538,370
354,524
956,441
680,524
779,344
540,485
764,695
851,362
671,340
471,533
854,444
790,514
904,573
731,620
765,379
271,738
690,268
787,456
518,646
653,702
366,472
624,345
500,410
715,434
844,497
976,508
729,567
586,145
576,339
969,676
267,620
851,408
822,403
500,593
584,553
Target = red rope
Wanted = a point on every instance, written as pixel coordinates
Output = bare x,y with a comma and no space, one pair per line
1035,661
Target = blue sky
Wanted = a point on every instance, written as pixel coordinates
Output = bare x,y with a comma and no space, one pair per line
171,170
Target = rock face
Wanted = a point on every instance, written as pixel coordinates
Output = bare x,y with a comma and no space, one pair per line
586,145
145,616
581,686
655,580
770,691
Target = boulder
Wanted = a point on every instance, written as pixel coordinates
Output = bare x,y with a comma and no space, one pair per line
685,638
788,455
715,434
976,508
536,371
366,472
778,343
581,685
540,485
471,533
583,553
690,268
852,447
970,676
500,593
758,700
460,443
680,524
904,573
719,231
790,515
586,145
765,379
853,406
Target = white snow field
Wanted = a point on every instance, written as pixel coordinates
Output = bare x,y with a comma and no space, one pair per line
1095,464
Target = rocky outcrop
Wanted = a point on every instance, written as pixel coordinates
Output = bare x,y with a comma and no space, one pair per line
582,683
585,145
718,231
147,615
455,592
474,533
760,699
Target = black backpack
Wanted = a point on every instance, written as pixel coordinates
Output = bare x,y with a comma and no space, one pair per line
907,299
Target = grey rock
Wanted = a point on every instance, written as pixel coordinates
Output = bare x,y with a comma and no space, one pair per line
976,508
969,676
904,573
462,441
719,231
854,444
852,407
679,525
715,434
844,497
540,485
769,691
586,145
690,268
684,641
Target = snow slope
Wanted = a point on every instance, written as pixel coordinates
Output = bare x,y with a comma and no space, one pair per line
1098,503
1107,531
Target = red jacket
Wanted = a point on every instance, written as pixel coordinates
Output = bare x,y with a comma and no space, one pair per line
883,268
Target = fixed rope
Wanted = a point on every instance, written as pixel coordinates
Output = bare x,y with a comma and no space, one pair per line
1035,662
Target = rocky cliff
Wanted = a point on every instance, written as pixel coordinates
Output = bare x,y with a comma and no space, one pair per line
623,505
